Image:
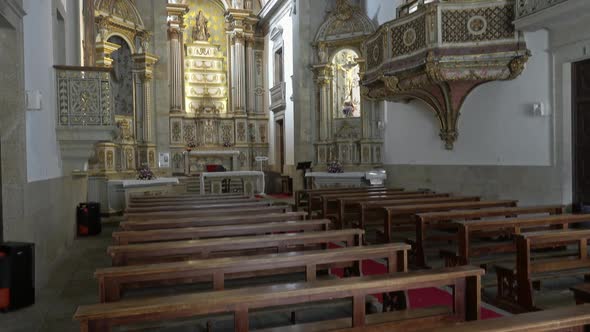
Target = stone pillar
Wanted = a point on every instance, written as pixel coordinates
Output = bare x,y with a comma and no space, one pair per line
251,67
176,14
240,27
143,68
239,72
323,79
89,33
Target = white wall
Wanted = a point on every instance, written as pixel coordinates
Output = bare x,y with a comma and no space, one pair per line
43,155
496,126
282,20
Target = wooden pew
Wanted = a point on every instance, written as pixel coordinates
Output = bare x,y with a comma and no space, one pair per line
301,195
195,207
211,221
316,200
236,199
395,212
184,197
432,219
581,293
561,319
353,205
112,281
230,210
466,229
515,284
329,202
192,233
147,253
104,316
368,209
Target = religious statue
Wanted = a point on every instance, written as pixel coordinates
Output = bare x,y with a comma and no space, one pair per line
201,30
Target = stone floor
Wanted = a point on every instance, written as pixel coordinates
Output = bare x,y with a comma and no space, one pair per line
72,283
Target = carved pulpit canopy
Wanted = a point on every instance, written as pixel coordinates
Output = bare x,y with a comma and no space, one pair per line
440,51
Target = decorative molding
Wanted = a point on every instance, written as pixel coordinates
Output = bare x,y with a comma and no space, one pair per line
278,97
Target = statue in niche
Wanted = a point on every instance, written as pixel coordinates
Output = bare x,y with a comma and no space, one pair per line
201,29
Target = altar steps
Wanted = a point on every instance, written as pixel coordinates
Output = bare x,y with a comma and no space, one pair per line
193,185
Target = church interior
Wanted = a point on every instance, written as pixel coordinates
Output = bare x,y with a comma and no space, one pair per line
294,165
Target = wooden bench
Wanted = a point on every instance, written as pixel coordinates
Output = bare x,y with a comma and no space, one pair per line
252,218
147,253
515,284
237,199
394,212
315,201
328,203
302,195
196,207
568,318
185,197
466,250
433,219
104,316
312,196
191,233
581,293
353,205
241,211
112,281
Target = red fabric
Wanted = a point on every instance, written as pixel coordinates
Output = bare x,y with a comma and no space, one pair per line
211,168
418,298
4,298
82,230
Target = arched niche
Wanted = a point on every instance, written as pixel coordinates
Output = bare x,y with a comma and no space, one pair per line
347,129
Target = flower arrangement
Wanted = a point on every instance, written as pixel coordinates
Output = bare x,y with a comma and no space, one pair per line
190,145
145,173
335,167
348,109
227,144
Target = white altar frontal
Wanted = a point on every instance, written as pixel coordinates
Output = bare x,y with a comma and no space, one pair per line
252,181
113,195
348,179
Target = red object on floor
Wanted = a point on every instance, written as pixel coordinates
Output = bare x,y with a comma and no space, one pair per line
418,298
82,230
4,298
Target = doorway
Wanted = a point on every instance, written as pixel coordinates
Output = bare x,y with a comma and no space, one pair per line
581,133
280,144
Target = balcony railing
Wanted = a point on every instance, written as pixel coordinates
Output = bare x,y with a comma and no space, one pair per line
529,7
84,96
278,99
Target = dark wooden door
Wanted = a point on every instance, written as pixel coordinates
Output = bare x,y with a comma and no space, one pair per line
280,142
581,132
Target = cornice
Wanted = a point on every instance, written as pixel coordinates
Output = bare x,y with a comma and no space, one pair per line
12,9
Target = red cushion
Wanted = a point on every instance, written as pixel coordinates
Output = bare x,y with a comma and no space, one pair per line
211,168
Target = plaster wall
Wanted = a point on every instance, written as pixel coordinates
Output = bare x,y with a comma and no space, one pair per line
283,20
38,208
502,151
40,38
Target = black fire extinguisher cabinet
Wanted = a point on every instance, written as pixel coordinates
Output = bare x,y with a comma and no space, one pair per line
88,219
17,275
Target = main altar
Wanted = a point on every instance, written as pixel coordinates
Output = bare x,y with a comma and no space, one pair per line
217,114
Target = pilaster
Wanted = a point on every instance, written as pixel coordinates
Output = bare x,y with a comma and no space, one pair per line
176,14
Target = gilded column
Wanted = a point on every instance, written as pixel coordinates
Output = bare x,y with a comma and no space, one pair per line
144,64
239,72
251,67
176,14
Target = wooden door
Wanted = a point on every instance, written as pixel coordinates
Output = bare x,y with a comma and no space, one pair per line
280,144
581,132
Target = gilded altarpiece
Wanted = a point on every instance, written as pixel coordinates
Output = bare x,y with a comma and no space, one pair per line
217,124
348,125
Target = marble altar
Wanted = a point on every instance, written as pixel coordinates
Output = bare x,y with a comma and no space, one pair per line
347,179
253,181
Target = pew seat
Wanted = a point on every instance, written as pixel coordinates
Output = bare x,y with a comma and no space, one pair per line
104,316
175,234
112,281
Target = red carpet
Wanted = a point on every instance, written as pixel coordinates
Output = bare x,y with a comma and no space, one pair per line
418,298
